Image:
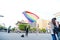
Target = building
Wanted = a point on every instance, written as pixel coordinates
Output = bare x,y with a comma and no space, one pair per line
21,22
33,24
43,23
57,15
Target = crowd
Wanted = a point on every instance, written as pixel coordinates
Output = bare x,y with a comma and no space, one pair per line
55,29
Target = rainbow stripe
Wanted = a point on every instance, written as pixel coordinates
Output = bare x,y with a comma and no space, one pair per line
30,16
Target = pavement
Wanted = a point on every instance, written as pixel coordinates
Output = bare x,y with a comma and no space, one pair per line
31,36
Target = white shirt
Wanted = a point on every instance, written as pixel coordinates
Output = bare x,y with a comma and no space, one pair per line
51,27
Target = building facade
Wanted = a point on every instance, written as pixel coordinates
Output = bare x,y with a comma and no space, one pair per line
57,15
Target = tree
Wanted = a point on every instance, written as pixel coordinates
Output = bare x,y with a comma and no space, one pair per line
33,29
23,26
43,30
13,29
2,27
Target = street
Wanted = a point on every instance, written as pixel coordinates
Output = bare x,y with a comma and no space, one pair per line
31,36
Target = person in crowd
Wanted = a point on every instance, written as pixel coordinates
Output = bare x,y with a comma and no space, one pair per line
59,32
9,29
54,28
27,31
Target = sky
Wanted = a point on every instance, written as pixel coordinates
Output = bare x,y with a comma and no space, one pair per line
12,10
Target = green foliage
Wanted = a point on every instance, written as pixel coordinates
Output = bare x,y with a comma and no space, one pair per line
43,30
2,27
13,29
23,26
33,29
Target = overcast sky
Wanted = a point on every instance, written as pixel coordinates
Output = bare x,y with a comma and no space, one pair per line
12,9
